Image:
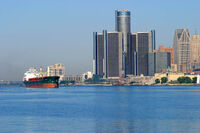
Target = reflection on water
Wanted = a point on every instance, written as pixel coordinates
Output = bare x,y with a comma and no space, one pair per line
138,109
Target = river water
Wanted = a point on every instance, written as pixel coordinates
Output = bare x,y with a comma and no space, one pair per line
81,109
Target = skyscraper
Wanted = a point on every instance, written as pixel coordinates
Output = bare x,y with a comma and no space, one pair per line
195,48
95,52
123,24
131,49
98,51
144,46
114,54
170,50
194,62
108,53
121,53
158,62
163,61
153,35
181,48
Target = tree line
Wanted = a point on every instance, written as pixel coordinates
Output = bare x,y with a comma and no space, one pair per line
180,80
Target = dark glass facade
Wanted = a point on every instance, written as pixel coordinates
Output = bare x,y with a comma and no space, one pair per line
158,62
122,53
100,52
163,61
151,64
123,24
114,54
95,52
131,48
143,47
107,54
153,35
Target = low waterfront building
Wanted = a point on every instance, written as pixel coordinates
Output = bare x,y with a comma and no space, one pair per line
56,70
144,80
87,75
75,78
173,76
79,78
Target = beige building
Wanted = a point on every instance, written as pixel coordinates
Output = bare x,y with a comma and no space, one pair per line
173,76
76,78
195,48
182,48
173,68
56,70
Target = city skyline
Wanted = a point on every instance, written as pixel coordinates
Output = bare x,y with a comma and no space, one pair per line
30,29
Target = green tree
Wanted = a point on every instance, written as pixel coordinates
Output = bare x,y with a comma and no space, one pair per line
184,80
194,80
164,80
157,81
188,80
181,80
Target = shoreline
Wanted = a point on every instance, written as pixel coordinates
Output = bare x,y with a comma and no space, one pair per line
83,84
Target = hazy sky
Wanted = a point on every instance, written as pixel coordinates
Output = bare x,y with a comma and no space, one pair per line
45,32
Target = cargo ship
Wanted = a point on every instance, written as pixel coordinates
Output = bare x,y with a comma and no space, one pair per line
33,79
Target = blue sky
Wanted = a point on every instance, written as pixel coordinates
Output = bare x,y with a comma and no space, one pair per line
44,32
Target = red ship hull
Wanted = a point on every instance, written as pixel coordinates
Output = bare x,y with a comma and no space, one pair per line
47,85
43,82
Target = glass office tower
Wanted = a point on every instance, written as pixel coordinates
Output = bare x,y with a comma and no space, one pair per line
123,24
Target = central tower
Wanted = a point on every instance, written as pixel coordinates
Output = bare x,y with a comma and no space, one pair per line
123,25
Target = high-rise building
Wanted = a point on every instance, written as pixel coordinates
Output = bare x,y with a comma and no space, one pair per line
151,64
131,55
98,51
161,48
56,70
108,53
158,62
123,24
195,48
181,48
121,53
153,35
114,54
144,46
194,62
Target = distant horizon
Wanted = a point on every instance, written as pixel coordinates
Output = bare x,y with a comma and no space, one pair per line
42,33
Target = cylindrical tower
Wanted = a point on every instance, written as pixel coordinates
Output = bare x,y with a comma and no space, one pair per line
123,24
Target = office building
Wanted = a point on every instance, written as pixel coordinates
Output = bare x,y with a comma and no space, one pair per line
195,48
121,53
131,60
123,24
144,46
181,48
153,35
114,54
161,48
98,53
108,54
158,62
56,70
